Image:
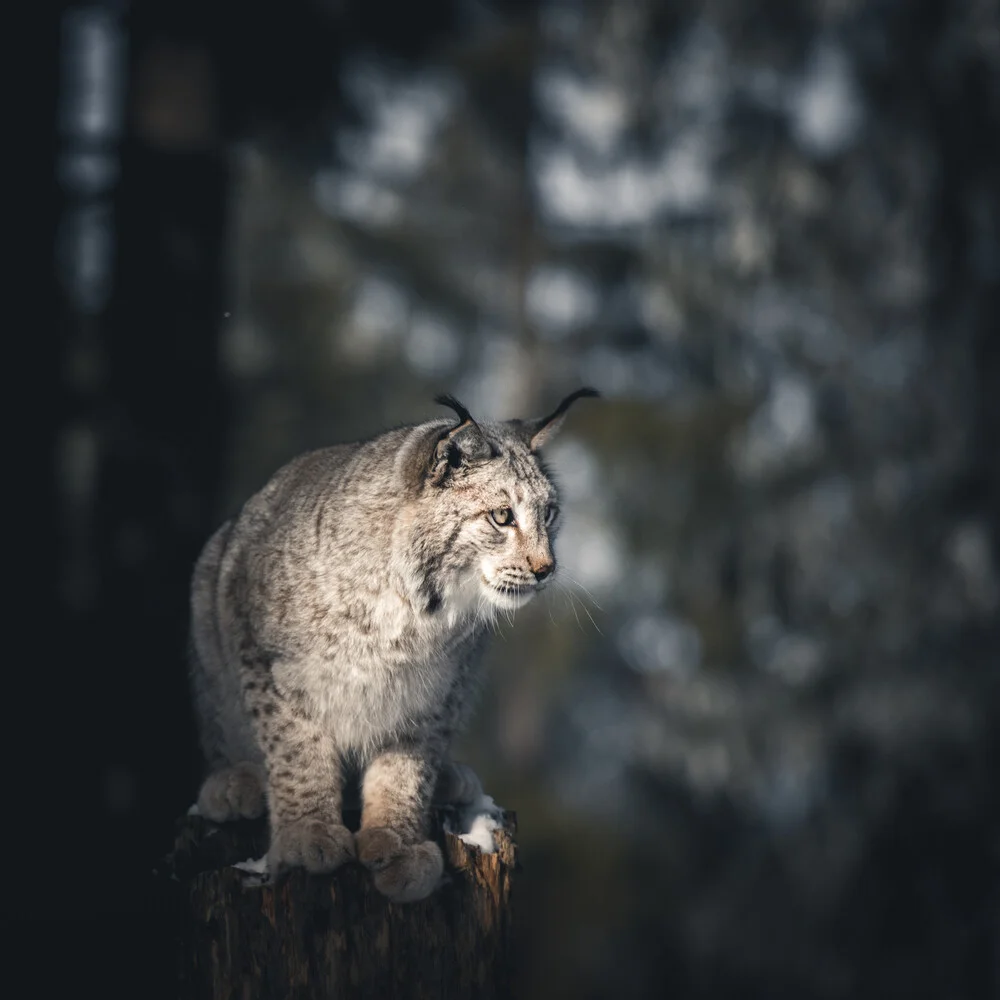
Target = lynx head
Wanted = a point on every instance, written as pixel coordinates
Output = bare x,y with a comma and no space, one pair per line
494,506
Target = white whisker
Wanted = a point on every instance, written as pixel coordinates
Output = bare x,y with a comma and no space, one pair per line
593,599
572,604
591,617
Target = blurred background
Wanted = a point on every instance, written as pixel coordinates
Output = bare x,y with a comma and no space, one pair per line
752,738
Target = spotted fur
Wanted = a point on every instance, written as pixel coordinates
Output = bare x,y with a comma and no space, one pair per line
336,626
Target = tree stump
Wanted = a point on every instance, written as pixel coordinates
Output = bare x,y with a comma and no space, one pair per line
335,936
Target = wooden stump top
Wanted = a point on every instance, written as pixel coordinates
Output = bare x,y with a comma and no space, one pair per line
336,935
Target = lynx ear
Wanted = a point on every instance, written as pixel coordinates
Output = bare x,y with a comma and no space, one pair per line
464,443
537,432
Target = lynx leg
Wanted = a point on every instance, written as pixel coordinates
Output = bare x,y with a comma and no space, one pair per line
304,784
395,817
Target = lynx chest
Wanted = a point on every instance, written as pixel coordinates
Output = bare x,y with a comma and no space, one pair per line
379,671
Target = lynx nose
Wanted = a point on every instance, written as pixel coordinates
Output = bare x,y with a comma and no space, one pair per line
543,570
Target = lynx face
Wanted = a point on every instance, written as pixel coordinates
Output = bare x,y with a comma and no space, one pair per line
516,531
497,508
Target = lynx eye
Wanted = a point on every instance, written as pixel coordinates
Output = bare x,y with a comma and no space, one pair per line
551,513
503,517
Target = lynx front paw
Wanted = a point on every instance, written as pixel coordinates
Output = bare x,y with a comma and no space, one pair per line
312,844
402,872
233,793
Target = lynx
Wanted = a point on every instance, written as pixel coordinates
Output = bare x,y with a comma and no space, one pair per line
336,627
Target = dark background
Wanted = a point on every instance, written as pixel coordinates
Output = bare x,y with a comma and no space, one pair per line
753,742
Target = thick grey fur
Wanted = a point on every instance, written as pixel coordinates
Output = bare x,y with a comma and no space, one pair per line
336,627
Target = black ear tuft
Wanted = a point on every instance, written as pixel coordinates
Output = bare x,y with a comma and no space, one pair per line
540,431
464,417
587,392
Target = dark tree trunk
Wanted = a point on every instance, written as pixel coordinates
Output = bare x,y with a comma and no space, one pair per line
336,936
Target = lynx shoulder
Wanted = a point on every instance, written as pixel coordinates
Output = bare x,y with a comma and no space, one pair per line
335,628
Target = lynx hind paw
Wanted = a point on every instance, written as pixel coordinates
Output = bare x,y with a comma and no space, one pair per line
402,873
233,793
310,843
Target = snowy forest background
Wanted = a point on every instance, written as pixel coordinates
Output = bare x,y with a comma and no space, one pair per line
752,741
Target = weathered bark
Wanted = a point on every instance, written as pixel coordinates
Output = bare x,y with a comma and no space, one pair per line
336,936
